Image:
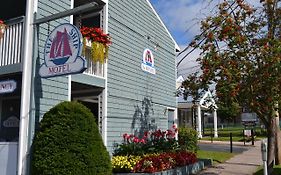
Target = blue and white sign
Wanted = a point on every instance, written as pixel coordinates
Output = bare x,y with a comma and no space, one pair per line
62,53
148,62
8,86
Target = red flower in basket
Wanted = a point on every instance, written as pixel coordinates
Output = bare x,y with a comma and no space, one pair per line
2,28
98,41
95,34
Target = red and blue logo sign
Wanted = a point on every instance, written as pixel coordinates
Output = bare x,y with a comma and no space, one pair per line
62,53
148,62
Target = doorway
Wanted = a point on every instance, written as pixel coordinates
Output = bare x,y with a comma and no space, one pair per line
91,97
10,119
94,108
171,118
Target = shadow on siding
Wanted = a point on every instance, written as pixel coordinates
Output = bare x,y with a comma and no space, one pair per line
142,120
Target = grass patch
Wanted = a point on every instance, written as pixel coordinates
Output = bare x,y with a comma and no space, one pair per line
234,139
218,157
276,170
236,131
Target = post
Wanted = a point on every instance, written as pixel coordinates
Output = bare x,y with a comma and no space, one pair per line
212,135
203,125
253,138
215,123
230,142
244,137
27,56
199,128
264,156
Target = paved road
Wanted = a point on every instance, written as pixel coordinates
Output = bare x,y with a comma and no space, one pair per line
222,148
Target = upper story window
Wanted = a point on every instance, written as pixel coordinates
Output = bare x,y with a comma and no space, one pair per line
88,19
12,9
91,19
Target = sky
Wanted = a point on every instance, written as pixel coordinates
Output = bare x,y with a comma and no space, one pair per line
182,18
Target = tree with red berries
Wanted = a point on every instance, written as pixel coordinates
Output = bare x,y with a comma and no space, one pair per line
241,53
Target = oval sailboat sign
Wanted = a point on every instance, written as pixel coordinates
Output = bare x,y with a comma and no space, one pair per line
62,53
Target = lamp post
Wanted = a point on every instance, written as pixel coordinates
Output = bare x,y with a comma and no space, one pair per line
264,156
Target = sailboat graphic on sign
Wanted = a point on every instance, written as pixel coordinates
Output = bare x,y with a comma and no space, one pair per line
60,49
62,52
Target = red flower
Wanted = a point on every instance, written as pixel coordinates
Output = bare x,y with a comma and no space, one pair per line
164,161
125,136
142,141
95,34
136,140
146,133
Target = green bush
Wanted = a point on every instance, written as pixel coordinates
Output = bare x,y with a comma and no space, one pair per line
69,143
188,139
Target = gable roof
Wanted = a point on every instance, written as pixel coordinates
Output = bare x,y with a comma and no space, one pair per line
207,100
176,45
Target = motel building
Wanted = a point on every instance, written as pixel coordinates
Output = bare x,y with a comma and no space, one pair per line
44,61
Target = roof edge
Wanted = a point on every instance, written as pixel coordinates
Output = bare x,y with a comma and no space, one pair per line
169,33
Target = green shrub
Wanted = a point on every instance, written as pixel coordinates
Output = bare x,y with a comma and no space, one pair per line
69,143
188,139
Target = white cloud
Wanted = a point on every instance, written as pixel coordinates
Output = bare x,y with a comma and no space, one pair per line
183,17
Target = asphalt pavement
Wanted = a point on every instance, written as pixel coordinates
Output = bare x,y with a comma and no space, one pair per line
222,147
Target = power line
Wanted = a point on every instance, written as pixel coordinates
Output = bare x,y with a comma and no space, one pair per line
187,47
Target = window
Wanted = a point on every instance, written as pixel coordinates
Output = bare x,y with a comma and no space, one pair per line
12,9
89,19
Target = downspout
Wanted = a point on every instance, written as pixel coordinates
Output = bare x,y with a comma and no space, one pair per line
26,88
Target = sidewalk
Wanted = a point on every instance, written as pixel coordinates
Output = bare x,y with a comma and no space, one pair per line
245,163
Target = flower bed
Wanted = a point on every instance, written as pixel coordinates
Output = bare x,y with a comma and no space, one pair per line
185,170
150,152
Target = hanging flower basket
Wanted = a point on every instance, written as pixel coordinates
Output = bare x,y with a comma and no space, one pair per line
2,28
98,41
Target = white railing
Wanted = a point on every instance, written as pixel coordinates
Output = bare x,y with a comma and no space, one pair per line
11,43
93,68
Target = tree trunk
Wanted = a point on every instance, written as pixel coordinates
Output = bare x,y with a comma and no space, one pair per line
271,134
277,136
278,146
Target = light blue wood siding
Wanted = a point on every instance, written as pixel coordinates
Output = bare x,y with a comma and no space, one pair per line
48,91
136,99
